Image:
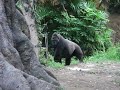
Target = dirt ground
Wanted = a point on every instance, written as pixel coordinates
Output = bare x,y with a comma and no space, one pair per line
103,76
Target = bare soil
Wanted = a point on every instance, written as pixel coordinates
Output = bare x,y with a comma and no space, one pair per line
103,76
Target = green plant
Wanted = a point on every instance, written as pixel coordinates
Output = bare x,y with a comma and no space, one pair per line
78,21
85,26
54,64
50,61
112,54
74,61
19,4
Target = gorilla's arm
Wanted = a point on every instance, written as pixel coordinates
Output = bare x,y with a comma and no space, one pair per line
58,54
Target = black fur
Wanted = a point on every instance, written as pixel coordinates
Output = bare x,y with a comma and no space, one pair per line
64,48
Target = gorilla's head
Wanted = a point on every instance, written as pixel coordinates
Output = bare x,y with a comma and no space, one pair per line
55,39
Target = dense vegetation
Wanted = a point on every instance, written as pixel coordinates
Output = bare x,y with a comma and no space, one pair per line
79,21
112,54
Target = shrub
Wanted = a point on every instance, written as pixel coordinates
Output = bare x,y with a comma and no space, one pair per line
112,54
79,21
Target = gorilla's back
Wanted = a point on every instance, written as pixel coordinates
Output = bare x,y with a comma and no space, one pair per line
69,47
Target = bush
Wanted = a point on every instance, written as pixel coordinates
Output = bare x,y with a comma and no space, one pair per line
79,21
87,27
112,54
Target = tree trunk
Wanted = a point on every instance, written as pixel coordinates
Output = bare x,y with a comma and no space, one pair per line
19,66
27,11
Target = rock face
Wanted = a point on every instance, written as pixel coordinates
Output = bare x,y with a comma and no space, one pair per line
19,66
114,23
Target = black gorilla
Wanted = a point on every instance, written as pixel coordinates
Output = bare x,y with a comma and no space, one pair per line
65,48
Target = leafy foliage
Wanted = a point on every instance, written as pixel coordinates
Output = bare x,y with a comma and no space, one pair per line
112,54
79,21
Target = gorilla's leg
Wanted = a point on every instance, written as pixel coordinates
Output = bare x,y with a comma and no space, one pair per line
67,61
58,60
80,57
78,53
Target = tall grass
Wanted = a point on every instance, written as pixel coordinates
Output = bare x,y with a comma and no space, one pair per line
112,54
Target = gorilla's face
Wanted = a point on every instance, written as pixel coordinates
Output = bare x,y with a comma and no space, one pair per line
55,39
54,42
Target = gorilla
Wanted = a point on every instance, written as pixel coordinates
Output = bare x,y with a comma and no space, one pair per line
64,48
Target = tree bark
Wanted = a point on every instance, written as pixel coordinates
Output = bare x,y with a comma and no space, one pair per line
19,65
27,11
